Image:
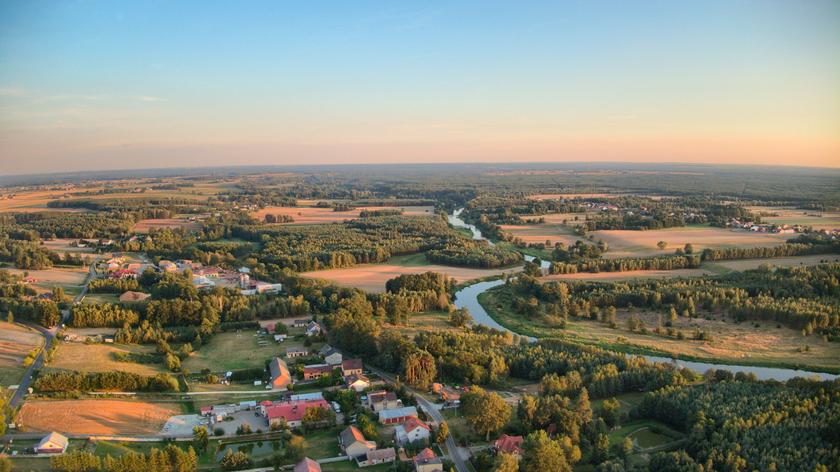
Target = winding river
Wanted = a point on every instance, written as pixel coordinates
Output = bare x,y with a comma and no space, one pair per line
467,298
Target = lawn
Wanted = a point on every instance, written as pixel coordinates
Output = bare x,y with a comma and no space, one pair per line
323,443
645,434
755,343
100,358
237,350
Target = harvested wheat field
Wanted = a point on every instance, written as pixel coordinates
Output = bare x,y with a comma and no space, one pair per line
315,215
144,226
793,216
747,264
629,275
15,343
372,277
63,245
628,243
95,416
48,278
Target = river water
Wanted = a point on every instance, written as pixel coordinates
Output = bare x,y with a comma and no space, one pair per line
467,298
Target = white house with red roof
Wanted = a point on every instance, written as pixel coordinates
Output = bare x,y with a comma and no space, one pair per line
413,431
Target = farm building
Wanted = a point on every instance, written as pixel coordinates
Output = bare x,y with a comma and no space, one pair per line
301,323
397,415
293,352
280,376
377,456
53,443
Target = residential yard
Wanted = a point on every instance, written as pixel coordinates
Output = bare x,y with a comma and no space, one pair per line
753,343
459,428
16,341
101,358
645,434
426,321
238,350
95,416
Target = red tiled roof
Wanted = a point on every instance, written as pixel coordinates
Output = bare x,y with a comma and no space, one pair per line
307,465
424,455
293,411
509,444
413,423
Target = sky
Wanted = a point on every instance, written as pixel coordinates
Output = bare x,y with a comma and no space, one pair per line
100,85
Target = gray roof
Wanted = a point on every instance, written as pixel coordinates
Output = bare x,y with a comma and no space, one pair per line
398,412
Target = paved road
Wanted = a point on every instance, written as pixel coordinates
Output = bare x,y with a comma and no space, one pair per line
461,464
49,336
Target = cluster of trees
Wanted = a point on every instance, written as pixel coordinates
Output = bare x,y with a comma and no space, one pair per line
51,225
740,424
113,285
103,315
439,283
806,298
626,264
43,312
116,381
382,212
784,250
366,240
26,254
170,458
279,218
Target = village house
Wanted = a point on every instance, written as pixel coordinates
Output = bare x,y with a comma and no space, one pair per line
129,297
383,400
426,461
353,443
397,415
508,444
294,352
413,431
53,443
307,465
313,329
291,412
331,355
280,376
377,456
351,367
357,383
316,371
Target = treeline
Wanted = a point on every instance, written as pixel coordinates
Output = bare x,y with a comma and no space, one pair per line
784,250
171,458
101,315
747,425
111,381
50,225
627,264
474,254
43,312
604,373
113,285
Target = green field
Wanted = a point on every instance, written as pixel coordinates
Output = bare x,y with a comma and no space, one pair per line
238,350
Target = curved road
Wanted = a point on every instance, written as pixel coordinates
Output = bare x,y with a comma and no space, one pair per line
49,336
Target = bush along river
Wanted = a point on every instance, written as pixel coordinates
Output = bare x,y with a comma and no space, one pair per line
467,298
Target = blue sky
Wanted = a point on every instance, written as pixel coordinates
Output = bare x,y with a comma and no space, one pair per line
108,84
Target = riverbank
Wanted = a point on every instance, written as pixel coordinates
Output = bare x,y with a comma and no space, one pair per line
734,344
